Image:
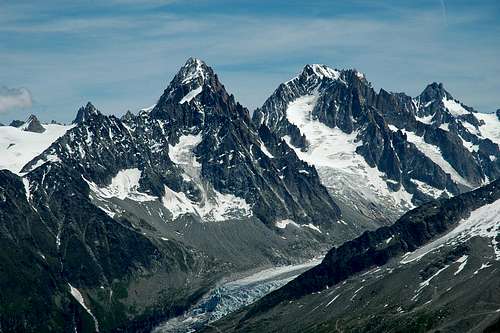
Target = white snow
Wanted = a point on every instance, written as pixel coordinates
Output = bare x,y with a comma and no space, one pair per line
360,75
333,300
148,109
124,185
491,128
463,261
470,146
313,227
195,73
177,203
483,266
454,108
434,153
26,184
265,151
79,298
270,273
218,207
445,127
214,205
470,128
426,120
428,281
325,71
18,147
282,224
482,222
182,152
333,152
190,95
356,292
428,189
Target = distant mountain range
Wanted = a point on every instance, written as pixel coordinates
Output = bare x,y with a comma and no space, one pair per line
118,223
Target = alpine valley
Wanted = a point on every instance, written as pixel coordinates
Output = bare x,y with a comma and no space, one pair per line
197,214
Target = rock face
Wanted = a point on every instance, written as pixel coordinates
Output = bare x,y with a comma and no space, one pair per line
392,151
75,267
16,123
32,124
85,113
130,220
417,274
123,222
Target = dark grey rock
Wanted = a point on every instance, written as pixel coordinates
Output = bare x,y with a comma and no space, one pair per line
84,113
16,123
32,124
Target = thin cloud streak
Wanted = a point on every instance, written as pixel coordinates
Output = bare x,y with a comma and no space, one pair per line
124,64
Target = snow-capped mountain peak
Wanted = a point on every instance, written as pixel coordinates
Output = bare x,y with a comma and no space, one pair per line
322,71
194,70
32,124
189,83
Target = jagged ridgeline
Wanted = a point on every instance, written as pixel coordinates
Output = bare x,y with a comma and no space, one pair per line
104,224
380,154
118,223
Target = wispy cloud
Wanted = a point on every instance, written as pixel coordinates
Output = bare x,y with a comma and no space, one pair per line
122,59
12,98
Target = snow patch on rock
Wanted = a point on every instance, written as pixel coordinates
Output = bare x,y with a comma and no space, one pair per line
282,224
190,95
79,298
214,205
456,109
125,185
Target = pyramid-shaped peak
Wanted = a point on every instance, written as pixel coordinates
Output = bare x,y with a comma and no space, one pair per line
194,70
32,124
434,91
85,112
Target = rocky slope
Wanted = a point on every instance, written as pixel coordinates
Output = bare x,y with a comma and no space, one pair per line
382,153
130,220
119,223
433,270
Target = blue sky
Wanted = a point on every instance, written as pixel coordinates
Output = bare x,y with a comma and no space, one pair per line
121,54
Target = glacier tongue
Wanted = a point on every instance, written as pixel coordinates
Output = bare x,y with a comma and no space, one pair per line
233,295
